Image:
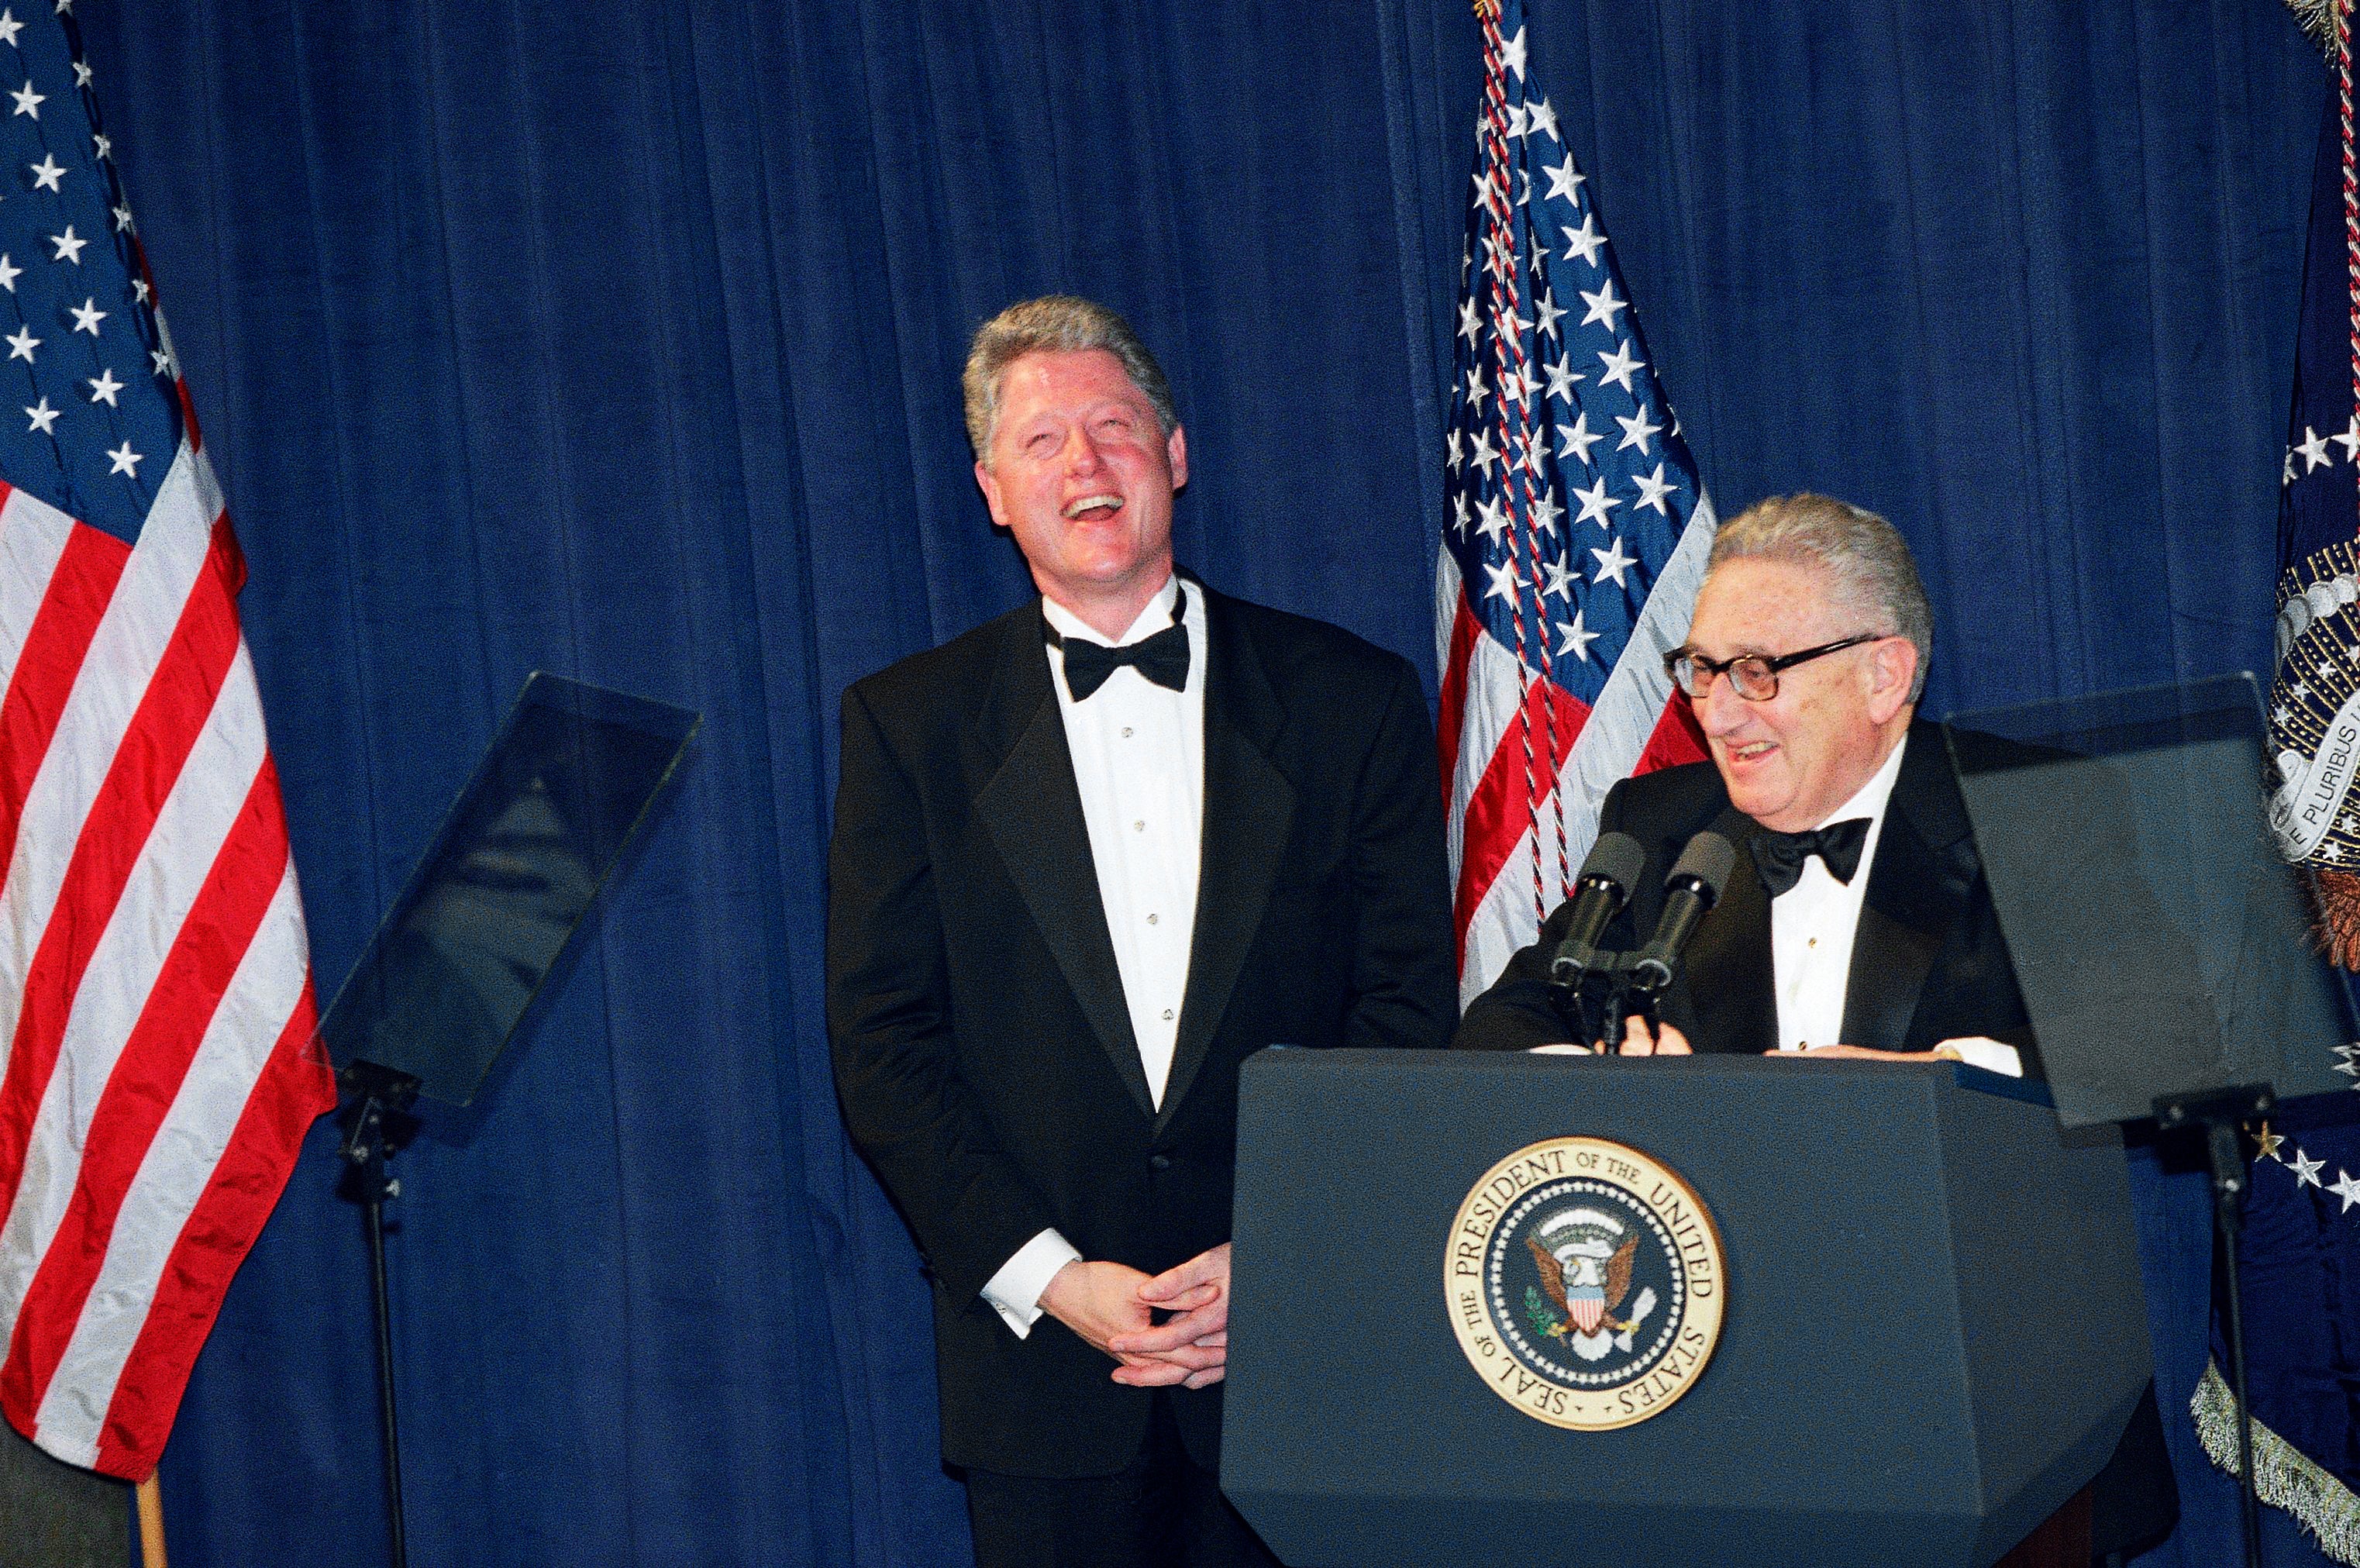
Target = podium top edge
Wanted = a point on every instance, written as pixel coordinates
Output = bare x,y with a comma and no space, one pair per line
1719,1067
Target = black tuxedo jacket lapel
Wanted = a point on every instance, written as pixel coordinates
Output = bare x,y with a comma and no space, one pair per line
1033,810
1729,963
1918,888
1249,812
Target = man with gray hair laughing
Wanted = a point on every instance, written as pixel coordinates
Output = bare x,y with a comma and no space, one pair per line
1858,922
1089,858
1861,927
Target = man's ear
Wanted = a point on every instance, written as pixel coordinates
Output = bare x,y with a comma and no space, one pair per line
1892,668
991,488
1177,451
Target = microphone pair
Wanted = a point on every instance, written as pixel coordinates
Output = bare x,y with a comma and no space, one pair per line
1607,875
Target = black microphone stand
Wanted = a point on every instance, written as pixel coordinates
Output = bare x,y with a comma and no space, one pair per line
1578,970
1615,985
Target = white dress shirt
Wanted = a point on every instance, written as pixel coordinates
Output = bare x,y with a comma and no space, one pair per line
1812,928
1139,762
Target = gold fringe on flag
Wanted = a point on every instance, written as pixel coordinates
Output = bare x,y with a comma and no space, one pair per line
2283,1476
2318,20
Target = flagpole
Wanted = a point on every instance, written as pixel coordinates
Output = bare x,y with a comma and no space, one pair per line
151,1523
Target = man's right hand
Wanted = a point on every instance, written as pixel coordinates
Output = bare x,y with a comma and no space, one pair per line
1098,1301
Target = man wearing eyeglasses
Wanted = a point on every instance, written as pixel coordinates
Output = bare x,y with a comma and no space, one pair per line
1857,923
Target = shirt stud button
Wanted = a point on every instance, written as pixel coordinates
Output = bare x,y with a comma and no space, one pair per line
1152,919
1167,1015
1139,826
1125,731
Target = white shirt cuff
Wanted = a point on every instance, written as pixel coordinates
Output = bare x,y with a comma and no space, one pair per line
1562,1048
1989,1054
1015,1291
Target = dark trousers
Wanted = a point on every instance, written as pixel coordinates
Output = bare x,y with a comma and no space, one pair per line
1159,1511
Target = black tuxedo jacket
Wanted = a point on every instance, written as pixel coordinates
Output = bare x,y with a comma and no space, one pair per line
1928,964
984,1054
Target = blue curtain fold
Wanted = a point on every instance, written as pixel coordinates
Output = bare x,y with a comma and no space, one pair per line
623,341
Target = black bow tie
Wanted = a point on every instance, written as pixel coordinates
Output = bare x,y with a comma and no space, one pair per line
1163,658
1779,857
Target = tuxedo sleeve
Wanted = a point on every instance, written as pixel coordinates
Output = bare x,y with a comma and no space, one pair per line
1519,1010
889,1024
1404,992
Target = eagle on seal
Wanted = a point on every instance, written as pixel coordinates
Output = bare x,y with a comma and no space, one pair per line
1588,1283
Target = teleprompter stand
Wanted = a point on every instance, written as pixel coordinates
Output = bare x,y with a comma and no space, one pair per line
2158,936
492,906
2220,1116
377,1121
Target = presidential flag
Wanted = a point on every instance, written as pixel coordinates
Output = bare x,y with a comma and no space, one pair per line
1577,533
2300,1246
2315,695
157,1069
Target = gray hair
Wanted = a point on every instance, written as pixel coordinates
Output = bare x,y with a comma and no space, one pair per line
1865,555
1055,324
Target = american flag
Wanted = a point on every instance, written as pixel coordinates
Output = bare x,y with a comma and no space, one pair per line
157,1070
1578,529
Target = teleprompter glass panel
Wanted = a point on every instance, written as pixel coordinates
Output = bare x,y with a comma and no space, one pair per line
2161,943
509,876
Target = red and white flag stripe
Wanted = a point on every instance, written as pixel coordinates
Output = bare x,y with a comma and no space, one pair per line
157,1066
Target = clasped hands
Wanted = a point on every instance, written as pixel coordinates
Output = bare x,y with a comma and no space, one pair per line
1113,1305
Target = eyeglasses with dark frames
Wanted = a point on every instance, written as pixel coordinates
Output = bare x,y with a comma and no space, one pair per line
1754,675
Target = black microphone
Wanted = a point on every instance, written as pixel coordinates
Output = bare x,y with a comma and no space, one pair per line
1606,880
1692,889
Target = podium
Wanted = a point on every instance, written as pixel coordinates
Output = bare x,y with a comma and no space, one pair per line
1930,1330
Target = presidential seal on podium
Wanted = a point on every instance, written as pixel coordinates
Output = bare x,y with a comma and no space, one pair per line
1585,1283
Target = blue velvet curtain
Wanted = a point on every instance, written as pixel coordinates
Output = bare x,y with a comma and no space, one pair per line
623,341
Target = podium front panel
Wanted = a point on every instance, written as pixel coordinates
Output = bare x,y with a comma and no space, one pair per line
1933,1329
